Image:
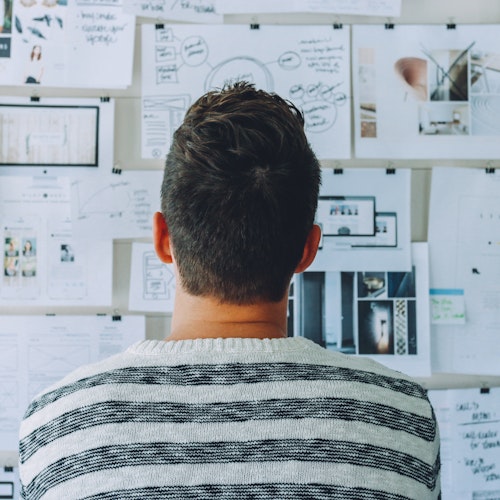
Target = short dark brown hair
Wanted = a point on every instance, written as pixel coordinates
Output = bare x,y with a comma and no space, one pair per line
239,194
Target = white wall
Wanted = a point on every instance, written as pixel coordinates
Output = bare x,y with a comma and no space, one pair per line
127,149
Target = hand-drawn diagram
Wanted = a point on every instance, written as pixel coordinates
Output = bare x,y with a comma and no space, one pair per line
116,206
307,65
9,357
152,283
158,278
57,358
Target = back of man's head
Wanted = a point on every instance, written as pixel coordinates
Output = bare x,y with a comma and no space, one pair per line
239,195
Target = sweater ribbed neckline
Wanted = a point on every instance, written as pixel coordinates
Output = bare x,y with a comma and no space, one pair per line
237,344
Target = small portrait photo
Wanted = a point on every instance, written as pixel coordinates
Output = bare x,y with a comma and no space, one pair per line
11,266
11,247
67,253
29,247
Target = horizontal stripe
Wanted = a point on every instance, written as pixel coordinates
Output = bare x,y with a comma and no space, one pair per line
319,408
250,491
315,450
318,473
227,374
125,433
233,393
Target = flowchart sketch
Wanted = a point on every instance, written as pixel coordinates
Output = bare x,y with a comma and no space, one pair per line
82,43
464,239
364,215
111,205
308,65
194,11
152,283
426,91
47,348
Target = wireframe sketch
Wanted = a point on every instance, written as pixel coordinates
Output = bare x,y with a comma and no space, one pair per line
158,279
9,357
57,358
9,395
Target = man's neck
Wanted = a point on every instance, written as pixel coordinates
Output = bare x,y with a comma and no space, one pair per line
201,317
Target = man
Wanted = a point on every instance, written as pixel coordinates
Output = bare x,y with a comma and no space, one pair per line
228,406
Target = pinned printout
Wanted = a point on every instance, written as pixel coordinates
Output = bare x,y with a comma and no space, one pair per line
82,43
308,65
194,11
51,134
379,314
42,263
152,283
426,91
391,8
37,351
469,427
464,229
109,205
364,215
10,485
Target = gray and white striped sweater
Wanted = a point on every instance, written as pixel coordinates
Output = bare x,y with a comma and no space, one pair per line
231,418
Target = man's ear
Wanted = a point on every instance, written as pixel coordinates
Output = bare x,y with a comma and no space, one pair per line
161,239
310,249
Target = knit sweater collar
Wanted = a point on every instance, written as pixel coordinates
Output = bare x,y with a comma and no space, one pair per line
237,344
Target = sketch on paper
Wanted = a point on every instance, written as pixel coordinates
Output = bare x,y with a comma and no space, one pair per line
158,278
38,351
116,206
57,358
308,65
152,282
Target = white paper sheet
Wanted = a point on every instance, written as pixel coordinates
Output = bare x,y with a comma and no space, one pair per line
152,283
37,351
54,134
109,205
194,11
307,64
464,229
10,486
426,91
469,426
391,8
78,43
356,203
382,315
42,262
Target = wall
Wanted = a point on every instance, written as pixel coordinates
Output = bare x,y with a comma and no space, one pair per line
127,149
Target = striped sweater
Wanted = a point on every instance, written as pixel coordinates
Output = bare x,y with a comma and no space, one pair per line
231,419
